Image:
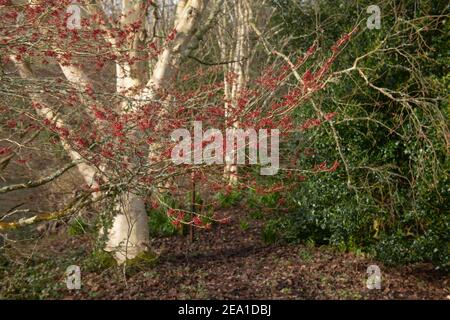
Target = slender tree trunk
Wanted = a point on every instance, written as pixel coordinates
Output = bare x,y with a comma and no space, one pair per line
238,69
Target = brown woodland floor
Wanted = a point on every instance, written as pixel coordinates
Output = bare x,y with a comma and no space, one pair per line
224,263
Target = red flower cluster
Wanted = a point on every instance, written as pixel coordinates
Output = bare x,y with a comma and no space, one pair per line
322,167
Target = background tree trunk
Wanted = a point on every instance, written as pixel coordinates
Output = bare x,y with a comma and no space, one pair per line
235,73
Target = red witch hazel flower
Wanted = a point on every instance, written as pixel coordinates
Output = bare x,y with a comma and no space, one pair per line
100,115
322,167
155,205
308,79
4,150
197,221
171,212
172,35
11,124
311,49
176,223
118,127
330,115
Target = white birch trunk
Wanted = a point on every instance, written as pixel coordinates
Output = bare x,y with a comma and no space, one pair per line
239,68
129,236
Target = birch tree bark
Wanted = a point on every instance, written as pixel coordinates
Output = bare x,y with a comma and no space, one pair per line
235,73
129,236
